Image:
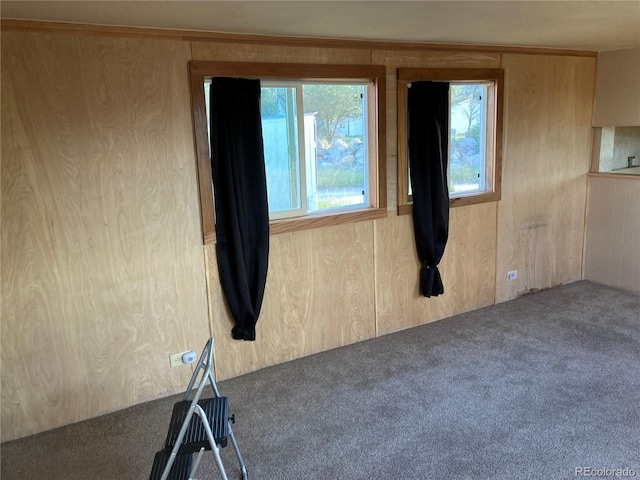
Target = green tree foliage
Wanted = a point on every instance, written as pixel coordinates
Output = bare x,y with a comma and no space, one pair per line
272,101
468,99
332,104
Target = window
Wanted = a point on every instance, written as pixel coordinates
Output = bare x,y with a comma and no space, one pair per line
323,141
475,136
468,137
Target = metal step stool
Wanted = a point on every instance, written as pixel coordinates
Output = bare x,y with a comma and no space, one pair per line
197,424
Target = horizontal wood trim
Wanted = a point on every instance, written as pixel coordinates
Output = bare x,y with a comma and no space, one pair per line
474,199
324,220
467,200
287,225
628,176
193,35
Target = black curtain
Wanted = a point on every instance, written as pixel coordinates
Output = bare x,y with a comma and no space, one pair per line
242,213
428,125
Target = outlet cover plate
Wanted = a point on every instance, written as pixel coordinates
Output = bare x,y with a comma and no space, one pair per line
175,360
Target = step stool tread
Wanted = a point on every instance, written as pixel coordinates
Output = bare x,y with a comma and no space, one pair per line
217,412
179,470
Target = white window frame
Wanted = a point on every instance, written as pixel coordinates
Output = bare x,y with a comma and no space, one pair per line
305,176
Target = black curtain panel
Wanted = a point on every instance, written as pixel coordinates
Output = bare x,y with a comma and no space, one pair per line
428,126
242,213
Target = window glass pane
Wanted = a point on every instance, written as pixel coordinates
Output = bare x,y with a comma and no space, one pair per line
281,147
315,146
335,145
467,144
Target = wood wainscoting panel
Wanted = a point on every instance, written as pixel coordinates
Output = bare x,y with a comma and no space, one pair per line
319,295
546,155
467,269
102,262
612,253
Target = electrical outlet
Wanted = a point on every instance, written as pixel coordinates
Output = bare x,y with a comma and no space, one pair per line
512,275
175,360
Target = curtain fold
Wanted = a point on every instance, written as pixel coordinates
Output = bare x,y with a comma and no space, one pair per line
428,131
242,213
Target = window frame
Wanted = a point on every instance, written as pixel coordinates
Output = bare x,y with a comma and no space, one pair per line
493,159
375,74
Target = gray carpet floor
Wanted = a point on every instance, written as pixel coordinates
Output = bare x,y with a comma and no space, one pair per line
528,389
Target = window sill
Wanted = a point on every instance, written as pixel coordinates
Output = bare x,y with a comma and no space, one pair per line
324,219
317,220
462,201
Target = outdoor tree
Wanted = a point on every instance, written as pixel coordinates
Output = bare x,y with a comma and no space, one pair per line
332,104
272,101
468,99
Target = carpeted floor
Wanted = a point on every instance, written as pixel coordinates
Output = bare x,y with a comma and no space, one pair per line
528,389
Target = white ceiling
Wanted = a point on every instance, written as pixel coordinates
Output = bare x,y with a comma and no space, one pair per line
583,25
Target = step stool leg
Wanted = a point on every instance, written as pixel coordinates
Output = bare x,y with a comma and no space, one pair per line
205,362
214,446
234,442
236,448
195,464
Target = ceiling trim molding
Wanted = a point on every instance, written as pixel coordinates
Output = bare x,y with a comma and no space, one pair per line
277,40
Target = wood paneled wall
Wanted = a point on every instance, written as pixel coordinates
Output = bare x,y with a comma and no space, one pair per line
102,261
319,296
467,269
547,131
103,269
